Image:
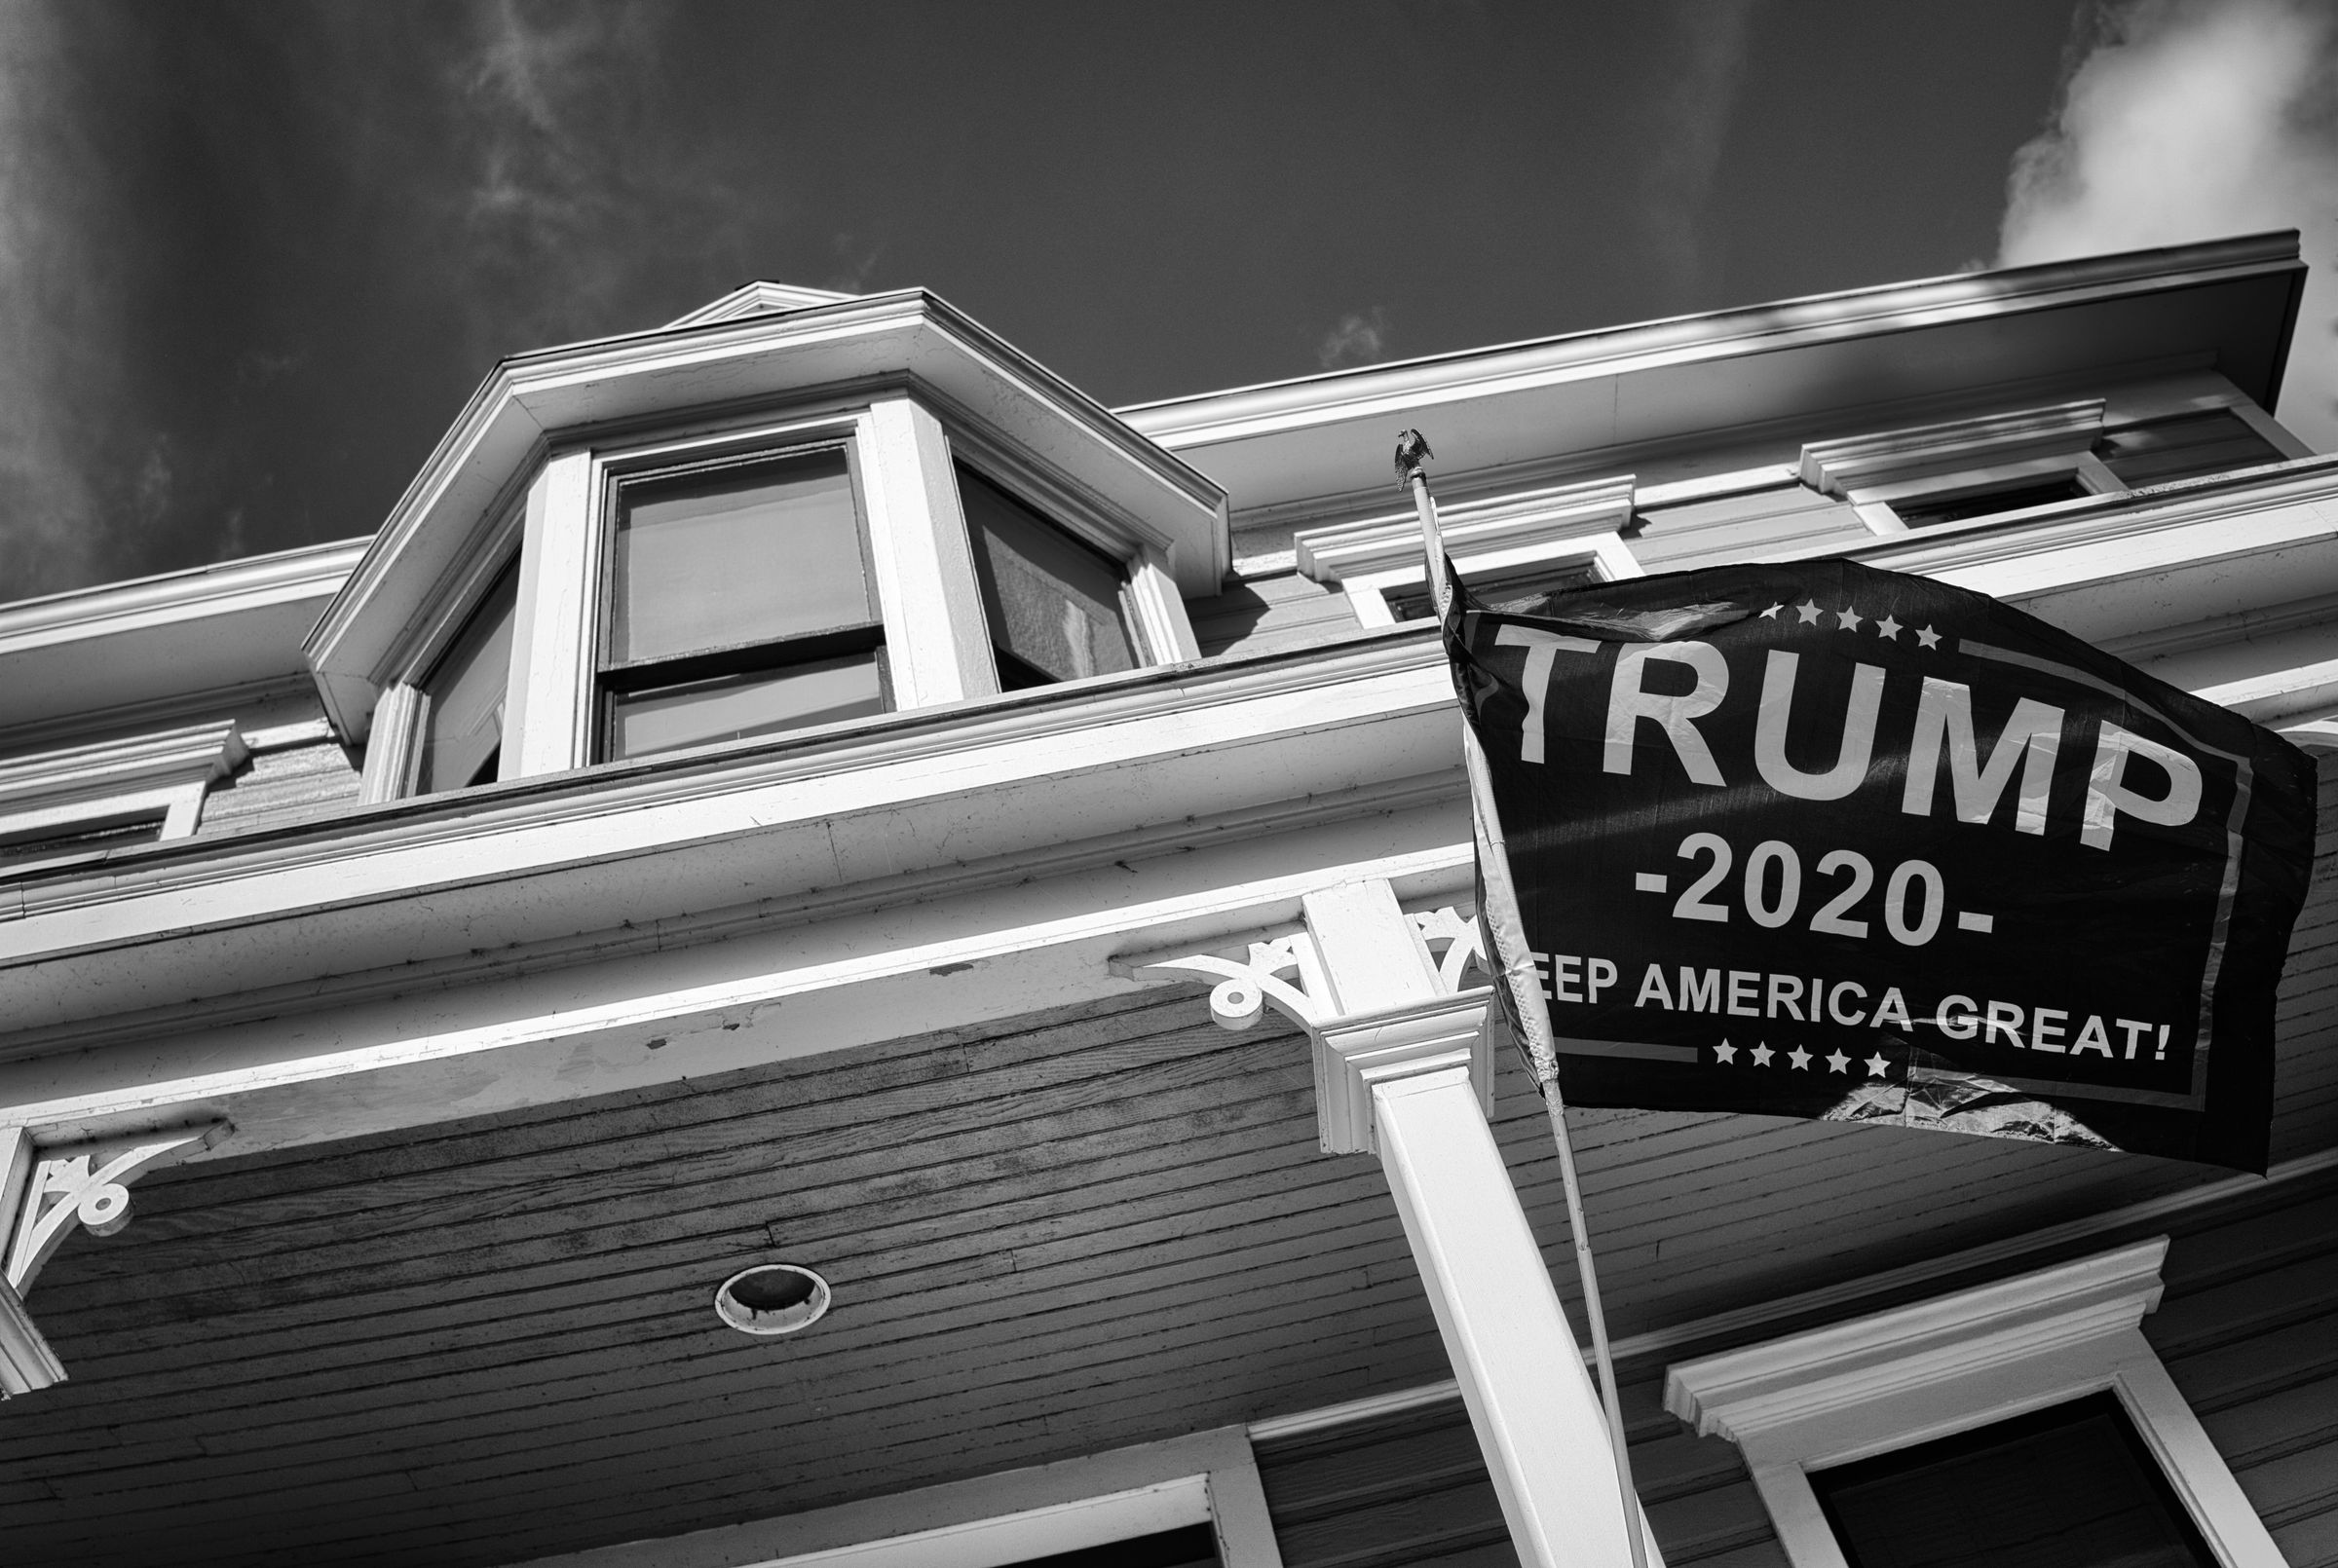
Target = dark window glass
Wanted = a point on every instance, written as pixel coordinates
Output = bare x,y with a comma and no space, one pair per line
79,839
1053,604
742,555
1520,591
2183,447
463,721
2068,1487
1926,511
739,604
1193,1547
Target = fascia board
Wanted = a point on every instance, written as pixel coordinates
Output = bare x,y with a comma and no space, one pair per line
162,637
536,400
515,862
1489,408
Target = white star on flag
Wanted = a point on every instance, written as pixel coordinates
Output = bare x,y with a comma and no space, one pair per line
1724,1052
1847,618
1808,610
1771,614
1838,1061
1928,638
1798,1057
1762,1054
1875,1064
1888,627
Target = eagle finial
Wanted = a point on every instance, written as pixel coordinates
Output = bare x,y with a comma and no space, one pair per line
1412,451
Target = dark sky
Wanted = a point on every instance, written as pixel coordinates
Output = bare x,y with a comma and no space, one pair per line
253,257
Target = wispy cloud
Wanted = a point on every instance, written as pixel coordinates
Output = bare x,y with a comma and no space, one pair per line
1358,340
1706,64
58,317
2185,120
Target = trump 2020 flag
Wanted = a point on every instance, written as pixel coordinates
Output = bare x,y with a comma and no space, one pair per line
1820,840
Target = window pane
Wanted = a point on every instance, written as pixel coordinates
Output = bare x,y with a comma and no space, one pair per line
1920,512
1520,591
86,839
1052,603
735,707
463,724
749,555
2068,1487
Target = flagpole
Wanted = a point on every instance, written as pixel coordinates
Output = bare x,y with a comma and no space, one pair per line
1502,919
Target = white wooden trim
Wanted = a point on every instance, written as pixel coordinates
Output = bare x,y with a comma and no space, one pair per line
1896,461
1163,629
1893,1379
937,645
154,776
394,745
1530,1402
546,715
2266,426
26,1363
997,1520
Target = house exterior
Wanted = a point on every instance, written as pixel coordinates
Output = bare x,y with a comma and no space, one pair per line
520,1049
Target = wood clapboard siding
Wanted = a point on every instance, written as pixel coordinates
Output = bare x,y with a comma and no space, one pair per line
2249,1329
1267,615
276,788
1048,1237
2156,451
1412,1490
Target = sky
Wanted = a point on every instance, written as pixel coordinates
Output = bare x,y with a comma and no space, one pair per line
254,256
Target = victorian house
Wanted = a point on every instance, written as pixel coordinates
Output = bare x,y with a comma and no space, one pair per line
824,951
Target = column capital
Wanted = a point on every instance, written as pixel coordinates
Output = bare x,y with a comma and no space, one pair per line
1380,992
1353,1056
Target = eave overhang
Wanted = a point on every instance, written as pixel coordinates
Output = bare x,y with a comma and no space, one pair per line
911,338
2228,304
157,638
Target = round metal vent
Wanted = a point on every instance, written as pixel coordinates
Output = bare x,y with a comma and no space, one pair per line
772,1299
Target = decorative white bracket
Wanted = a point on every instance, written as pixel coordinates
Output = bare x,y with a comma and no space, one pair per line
50,1191
1379,991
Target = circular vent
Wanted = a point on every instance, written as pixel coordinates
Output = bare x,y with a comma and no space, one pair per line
774,1298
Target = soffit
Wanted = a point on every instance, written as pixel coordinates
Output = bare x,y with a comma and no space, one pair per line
165,637
1102,1226
908,338
2227,306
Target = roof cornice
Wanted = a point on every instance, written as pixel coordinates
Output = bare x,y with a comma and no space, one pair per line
1242,411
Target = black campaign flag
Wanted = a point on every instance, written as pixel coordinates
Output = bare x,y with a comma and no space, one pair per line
1821,840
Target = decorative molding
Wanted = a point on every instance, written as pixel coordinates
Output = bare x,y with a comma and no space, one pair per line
88,1185
1746,1395
1416,1016
1894,1379
1533,524
160,776
1854,463
196,755
757,298
995,1520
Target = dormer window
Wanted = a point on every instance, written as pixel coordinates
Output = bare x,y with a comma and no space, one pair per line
784,512
1055,607
462,697
740,602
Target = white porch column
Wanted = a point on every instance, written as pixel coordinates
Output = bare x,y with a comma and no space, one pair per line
1402,1067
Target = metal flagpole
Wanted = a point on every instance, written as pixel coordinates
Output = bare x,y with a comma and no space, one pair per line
1506,941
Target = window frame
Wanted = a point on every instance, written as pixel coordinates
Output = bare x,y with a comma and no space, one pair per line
916,549
1573,526
161,777
611,680
1953,1363
1960,457
1004,1519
